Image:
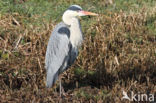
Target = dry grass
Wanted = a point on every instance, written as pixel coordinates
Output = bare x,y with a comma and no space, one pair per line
119,53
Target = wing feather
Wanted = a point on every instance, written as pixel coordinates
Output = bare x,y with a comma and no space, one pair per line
57,50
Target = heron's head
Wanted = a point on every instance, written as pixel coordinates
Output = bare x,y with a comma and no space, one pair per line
75,11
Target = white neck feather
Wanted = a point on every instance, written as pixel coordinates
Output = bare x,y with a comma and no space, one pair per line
76,37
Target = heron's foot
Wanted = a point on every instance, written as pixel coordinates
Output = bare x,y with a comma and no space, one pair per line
62,93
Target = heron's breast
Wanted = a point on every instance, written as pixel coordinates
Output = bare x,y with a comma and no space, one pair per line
76,37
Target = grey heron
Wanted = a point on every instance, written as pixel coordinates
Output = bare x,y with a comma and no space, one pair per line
63,44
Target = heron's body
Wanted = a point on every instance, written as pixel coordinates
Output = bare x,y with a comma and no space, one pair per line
63,44
62,49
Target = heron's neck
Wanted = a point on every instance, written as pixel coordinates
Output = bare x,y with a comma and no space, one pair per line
67,20
76,37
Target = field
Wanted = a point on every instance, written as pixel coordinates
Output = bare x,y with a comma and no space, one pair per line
118,53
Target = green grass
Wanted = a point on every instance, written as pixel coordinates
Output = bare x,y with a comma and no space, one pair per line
51,10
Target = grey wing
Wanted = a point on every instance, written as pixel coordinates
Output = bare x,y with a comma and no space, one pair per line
57,50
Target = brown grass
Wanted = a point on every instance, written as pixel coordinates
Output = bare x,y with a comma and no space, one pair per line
121,55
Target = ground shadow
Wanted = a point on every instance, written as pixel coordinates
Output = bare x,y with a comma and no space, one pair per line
102,78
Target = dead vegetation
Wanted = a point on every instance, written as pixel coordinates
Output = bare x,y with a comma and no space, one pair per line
119,53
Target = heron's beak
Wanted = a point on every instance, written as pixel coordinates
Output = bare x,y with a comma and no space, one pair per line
85,13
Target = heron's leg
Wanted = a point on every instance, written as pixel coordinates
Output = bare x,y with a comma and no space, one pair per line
60,86
55,88
61,89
